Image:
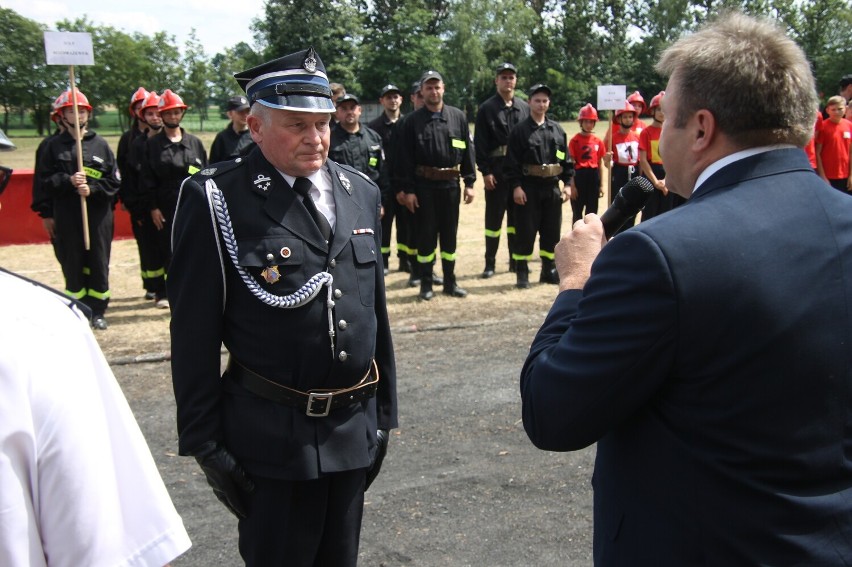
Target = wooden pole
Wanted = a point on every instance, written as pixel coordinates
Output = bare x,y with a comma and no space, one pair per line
609,149
84,209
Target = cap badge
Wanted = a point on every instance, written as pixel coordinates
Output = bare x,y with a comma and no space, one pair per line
262,182
310,62
345,182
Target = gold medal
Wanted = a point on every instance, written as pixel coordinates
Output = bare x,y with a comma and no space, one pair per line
271,274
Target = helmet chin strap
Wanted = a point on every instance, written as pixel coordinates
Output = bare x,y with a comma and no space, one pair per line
171,125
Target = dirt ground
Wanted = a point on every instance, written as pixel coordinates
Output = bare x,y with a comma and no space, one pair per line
462,485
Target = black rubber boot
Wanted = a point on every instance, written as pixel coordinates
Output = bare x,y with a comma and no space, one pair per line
403,264
386,259
491,245
522,274
426,292
450,286
548,272
488,272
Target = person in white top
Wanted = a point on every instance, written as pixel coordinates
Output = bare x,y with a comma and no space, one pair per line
78,485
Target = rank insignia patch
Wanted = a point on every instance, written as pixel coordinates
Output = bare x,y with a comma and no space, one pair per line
345,182
262,182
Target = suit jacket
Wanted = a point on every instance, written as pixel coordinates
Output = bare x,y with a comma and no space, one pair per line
212,305
709,356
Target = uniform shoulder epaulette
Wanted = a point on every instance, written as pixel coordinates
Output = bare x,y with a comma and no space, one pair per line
217,169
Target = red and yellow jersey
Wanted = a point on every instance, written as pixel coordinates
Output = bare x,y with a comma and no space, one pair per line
649,142
586,151
835,139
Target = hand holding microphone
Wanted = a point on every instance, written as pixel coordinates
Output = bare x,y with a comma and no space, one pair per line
577,250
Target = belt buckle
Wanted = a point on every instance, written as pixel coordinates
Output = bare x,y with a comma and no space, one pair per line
322,398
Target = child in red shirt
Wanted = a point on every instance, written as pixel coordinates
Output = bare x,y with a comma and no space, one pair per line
587,151
625,153
833,144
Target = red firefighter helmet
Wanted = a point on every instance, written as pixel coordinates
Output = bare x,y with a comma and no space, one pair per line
152,99
636,98
66,100
626,108
588,112
655,102
139,95
55,113
170,100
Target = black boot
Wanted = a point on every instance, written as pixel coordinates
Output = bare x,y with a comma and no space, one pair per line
436,279
488,272
426,292
386,259
548,272
450,286
522,273
403,264
416,269
512,265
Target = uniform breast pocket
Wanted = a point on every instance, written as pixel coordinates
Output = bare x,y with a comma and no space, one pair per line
275,262
364,253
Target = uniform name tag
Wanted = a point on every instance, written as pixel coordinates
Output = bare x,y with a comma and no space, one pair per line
458,144
93,173
192,170
560,155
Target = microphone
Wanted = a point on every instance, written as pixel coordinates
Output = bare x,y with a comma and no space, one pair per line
630,200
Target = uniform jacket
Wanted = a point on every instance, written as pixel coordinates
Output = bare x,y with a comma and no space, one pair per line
362,150
708,355
166,165
494,122
42,203
229,144
436,141
129,164
537,144
288,346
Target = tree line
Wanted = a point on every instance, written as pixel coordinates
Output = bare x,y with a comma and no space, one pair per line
571,45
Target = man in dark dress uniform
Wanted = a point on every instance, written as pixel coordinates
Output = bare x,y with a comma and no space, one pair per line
435,150
494,120
276,256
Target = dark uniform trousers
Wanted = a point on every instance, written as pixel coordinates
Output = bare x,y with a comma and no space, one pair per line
309,471
499,202
437,220
587,180
405,240
541,214
150,258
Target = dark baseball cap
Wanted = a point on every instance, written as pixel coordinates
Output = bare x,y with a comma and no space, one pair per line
506,67
845,81
430,75
238,103
415,87
539,87
347,98
390,88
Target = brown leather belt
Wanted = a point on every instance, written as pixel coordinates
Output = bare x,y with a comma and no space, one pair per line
545,170
437,173
316,403
498,152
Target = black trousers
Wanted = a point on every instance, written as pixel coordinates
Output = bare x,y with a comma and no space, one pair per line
86,272
436,219
150,262
541,214
499,202
405,246
308,523
588,183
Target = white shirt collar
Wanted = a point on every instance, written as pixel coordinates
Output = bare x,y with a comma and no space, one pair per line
731,158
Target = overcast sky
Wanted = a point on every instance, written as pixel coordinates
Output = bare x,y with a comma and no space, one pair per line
217,25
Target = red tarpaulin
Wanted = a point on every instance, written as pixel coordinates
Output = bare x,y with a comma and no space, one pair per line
20,225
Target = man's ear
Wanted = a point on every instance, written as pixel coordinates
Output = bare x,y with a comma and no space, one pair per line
705,130
255,125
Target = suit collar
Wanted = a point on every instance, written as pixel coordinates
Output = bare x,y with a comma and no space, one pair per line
765,163
348,211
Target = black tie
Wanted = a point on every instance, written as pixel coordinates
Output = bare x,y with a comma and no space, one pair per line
302,186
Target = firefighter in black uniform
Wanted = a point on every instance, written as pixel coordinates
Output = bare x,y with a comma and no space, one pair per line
276,255
42,204
536,160
435,148
235,140
86,272
128,166
494,120
171,156
386,124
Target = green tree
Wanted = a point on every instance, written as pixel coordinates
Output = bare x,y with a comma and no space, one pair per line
196,89
223,67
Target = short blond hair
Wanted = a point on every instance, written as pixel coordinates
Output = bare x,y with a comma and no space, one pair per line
754,79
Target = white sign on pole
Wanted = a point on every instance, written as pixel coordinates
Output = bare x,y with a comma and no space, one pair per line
611,97
68,48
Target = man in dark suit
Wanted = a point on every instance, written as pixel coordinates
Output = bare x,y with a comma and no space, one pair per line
707,351
276,256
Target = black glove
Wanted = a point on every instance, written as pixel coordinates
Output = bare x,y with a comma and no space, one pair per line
382,437
225,476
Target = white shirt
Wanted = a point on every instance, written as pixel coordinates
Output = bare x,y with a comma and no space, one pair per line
731,158
78,485
322,193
